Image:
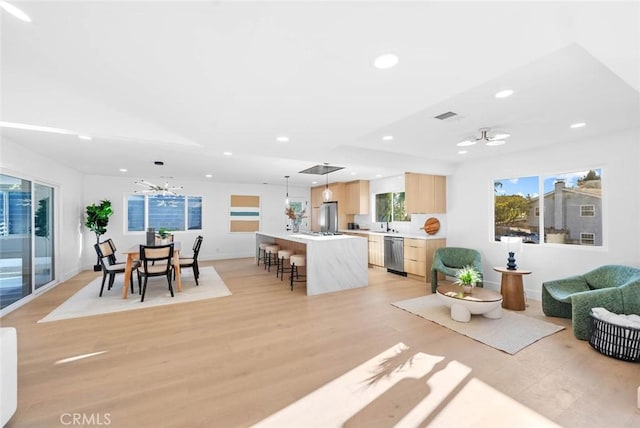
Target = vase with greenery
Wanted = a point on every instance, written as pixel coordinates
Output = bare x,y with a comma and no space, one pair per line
467,278
96,220
164,235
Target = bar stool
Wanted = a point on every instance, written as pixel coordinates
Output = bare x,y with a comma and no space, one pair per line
282,256
297,261
271,254
262,255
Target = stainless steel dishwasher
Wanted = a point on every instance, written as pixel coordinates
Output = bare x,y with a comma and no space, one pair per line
394,254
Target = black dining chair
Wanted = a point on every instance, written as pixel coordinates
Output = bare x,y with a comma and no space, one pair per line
155,261
107,258
192,262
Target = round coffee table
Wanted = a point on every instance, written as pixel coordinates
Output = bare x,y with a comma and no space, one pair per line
480,301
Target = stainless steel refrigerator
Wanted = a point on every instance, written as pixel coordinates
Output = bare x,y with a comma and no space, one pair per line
329,217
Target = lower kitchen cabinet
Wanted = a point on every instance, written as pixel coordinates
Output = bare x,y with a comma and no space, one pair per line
376,250
418,256
415,256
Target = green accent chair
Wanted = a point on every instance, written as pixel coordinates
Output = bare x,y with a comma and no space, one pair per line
449,260
613,287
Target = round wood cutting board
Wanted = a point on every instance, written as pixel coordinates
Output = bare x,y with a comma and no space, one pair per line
431,226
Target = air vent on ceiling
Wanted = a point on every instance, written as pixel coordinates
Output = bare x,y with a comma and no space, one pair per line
446,115
321,169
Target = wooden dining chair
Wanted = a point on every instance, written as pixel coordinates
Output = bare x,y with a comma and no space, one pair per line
192,262
155,261
106,257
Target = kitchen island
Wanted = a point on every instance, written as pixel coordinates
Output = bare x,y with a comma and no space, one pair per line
334,263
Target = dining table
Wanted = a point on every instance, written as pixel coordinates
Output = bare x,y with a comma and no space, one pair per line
133,253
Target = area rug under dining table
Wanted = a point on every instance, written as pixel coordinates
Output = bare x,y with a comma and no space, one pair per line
511,333
86,301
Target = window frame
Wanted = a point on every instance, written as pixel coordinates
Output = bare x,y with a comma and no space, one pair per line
186,211
582,211
592,240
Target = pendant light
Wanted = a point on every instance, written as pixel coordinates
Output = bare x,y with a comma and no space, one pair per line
287,204
327,194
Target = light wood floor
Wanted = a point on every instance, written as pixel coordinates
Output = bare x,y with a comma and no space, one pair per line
233,361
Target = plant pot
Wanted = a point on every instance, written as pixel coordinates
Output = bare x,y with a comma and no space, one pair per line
467,289
97,268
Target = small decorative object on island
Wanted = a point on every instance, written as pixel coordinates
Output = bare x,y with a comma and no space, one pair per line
467,278
96,220
296,218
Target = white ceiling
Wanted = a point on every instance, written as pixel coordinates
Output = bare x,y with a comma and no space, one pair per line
184,81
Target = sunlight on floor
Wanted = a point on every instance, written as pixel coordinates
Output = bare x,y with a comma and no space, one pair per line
401,388
78,357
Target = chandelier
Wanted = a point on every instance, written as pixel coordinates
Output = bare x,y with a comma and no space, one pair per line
491,138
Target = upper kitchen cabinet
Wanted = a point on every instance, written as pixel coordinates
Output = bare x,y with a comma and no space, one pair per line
357,197
425,193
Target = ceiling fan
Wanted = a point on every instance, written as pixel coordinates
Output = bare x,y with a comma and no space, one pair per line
154,188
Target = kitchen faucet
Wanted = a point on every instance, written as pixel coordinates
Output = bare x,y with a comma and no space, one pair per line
388,227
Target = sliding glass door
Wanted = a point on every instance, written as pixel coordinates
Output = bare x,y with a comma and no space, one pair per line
26,238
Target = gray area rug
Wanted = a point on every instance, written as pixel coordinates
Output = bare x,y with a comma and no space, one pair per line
511,333
86,302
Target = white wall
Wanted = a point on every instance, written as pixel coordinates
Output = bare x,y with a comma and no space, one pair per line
470,216
218,242
67,182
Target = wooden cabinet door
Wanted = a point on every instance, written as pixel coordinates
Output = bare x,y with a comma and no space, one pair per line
357,197
440,194
376,250
415,256
425,193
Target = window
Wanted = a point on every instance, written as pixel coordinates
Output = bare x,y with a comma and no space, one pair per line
390,207
587,239
516,208
175,213
568,212
587,210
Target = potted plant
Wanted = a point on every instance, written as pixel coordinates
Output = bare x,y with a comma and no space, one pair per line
164,234
97,219
467,278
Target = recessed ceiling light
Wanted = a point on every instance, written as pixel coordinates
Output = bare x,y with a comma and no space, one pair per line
9,8
378,175
505,93
387,138
282,139
463,152
496,142
123,169
208,175
84,137
578,125
314,182
385,61
466,143
227,153
353,173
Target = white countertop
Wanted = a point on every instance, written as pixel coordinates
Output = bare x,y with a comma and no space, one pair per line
401,235
302,237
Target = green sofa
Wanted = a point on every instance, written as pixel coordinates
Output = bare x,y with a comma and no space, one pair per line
449,259
613,287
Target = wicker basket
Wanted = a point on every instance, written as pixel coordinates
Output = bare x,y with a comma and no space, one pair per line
613,340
